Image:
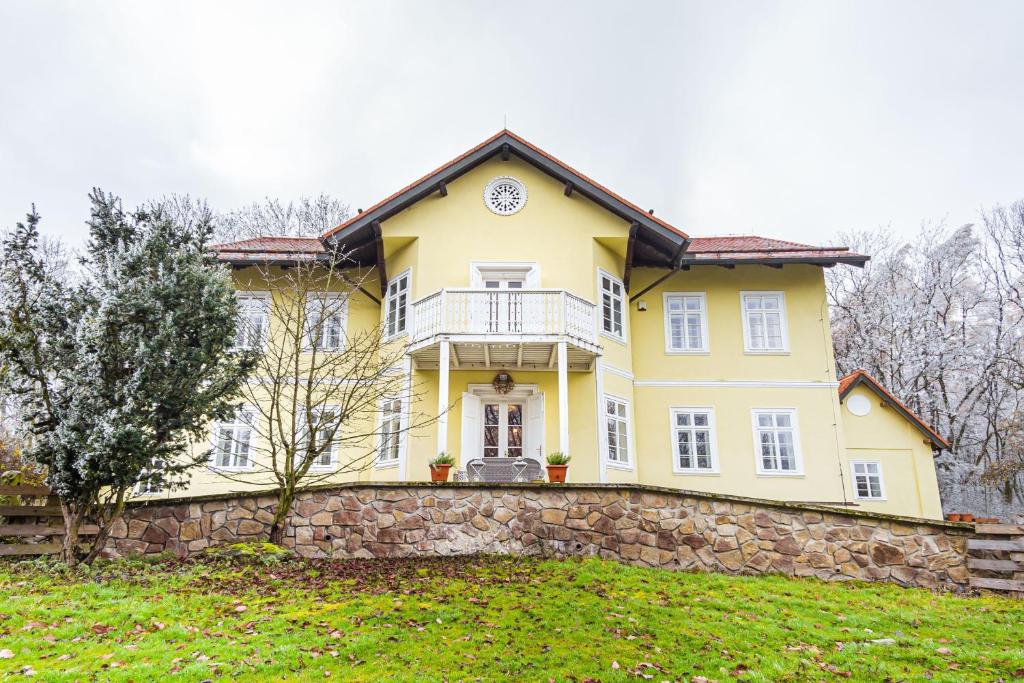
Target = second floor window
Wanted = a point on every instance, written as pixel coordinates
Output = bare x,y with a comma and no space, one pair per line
396,304
616,414
253,321
685,323
764,322
233,441
611,305
390,431
325,322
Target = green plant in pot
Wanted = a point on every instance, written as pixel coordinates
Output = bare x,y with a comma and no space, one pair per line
558,464
440,465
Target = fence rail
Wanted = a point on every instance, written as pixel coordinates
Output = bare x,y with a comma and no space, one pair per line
34,528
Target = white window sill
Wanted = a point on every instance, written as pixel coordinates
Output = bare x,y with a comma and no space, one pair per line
386,465
614,337
687,352
697,473
323,468
224,468
396,336
750,352
796,475
619,465
871,500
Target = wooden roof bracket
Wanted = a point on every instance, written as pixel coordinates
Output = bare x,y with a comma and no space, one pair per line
630,249
677,264
378,238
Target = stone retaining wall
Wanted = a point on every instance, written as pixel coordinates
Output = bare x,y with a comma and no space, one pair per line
635,524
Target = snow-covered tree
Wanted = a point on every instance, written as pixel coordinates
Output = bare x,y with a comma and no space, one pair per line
118,371
303,217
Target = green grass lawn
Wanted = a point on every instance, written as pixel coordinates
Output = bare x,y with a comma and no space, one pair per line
486,619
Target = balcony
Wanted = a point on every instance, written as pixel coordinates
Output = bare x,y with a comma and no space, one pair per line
507,328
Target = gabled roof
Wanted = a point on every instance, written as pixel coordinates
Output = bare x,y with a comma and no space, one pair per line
270,250
753,249
859,377
657,240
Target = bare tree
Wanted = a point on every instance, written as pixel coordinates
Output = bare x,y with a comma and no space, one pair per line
324,403
303,217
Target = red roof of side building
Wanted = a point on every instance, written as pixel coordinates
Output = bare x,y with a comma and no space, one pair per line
273,245
739,248
857,377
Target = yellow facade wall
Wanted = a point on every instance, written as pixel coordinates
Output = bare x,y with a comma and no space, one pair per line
908,469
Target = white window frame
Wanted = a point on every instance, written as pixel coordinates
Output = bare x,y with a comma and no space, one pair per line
712,439
318,300
626,464
407,273
246,415
795,429
143,488
479,271
783,324
265,299
624,303
879,474
300,426
704,345
399,443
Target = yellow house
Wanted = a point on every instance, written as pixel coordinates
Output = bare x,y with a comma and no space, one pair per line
542,312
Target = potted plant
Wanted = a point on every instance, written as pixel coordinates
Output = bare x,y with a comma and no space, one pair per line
439,467
953,517
558,463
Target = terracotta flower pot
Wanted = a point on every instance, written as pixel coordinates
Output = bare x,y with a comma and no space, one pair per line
966,517
953,517
439,472
556,473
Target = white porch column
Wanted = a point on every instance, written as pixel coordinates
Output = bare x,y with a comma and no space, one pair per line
563,398
442,398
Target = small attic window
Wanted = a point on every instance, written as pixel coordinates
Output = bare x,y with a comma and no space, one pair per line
505,196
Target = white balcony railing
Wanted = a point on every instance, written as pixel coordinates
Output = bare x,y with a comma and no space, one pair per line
504,312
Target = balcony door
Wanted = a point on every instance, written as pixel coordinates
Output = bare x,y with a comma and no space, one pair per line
503,306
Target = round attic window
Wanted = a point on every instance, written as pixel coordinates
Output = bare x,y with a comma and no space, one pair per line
858,405
505,196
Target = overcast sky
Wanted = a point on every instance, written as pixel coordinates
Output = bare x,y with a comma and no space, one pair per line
796,120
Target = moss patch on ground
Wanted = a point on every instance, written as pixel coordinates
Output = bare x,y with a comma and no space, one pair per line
485,618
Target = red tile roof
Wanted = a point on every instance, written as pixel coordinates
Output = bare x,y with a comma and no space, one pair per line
752,247
847,383
273,245
525,143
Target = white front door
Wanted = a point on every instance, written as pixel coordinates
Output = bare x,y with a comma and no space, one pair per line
503,429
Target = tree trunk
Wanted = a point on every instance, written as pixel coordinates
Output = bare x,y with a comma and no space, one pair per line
284,506
72,521
100,540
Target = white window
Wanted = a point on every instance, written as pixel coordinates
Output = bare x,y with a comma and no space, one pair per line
390,431
693,440
611,305
253,321
867,480
397,304
233,441
325,429
764,322
617,418
148,487
686,322
326,316
776,441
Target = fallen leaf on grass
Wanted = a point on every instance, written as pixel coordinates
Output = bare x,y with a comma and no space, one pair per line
101,629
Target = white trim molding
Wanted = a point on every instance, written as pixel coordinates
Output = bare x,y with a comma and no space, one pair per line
735,384
616,371
529,269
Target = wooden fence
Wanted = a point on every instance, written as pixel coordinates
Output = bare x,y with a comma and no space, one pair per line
996,557
36,525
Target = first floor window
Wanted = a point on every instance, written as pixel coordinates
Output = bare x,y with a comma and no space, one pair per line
867,480
692,432
390,431
325,322
233,441
611,305
323,432
775,436
764,322
686,322
147,486
253,321
396,303
616,412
